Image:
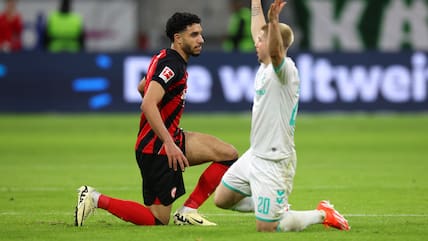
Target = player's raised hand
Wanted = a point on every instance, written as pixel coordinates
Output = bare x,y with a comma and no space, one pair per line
275,9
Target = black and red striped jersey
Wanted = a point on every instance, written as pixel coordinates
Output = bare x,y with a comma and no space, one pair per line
167,68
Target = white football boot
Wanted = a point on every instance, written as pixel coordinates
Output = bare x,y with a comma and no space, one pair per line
191,218
85,204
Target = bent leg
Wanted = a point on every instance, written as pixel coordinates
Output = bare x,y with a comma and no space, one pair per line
263,226
202,148
225,198
234,191
207,183
161,212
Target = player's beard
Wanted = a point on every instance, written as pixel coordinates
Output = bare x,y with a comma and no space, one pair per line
190,51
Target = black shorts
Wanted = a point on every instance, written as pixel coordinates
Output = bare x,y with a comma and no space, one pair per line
159,181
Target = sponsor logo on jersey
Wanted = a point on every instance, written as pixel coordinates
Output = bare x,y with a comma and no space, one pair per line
166,74
173,192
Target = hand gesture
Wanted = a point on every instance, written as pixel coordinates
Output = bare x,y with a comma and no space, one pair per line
275,9
176,157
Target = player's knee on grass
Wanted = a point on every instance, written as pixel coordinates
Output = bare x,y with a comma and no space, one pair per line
266,226
225,198
222,197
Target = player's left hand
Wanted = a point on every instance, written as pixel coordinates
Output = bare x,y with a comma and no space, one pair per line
275,9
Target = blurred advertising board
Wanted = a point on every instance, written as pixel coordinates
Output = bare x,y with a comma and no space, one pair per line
218,82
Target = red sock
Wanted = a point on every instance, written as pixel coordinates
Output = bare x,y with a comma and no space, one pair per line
127,210
207,184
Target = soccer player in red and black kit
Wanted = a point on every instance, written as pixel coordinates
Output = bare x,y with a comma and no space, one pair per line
163,150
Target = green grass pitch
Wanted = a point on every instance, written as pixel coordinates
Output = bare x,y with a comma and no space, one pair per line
372,167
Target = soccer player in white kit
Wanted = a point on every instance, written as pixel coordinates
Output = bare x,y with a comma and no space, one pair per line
262,178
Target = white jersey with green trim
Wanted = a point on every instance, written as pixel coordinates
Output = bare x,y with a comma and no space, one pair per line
274,110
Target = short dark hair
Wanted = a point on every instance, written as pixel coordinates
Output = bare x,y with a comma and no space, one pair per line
179,22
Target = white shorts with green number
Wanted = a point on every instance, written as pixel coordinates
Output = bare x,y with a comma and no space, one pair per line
268,182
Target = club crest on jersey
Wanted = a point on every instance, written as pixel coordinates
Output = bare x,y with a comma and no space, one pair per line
166,74
173,192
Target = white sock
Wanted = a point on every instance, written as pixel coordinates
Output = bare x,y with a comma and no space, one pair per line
245,205
299,220
185,209
95,196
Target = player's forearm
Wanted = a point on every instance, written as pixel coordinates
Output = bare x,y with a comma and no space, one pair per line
275,42
257,18
276,49
154,118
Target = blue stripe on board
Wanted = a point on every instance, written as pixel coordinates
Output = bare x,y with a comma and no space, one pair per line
90,84
3,70
100,101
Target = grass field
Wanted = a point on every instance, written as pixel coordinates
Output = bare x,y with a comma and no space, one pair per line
372,167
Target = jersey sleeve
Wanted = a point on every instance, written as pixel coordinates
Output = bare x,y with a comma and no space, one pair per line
166,72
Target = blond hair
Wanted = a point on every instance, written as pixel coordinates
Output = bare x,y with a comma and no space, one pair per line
287,34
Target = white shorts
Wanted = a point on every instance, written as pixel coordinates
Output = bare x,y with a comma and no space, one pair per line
268,182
